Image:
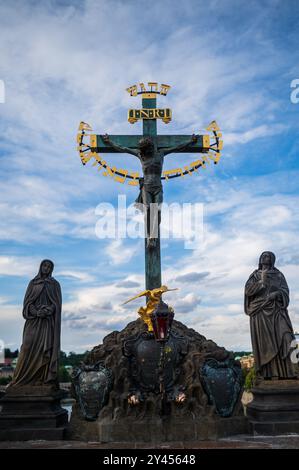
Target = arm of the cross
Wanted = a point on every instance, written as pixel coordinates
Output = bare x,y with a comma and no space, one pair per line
183,144
181,147
115,144
118,148
164,142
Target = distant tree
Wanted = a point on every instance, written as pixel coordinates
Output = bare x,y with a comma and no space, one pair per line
74,359
242,353
71,359
10,354
63,375
62,358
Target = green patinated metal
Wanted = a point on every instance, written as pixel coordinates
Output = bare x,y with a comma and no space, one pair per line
163,141
153,274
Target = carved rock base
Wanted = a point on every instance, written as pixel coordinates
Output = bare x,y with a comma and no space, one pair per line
154,430
274,408
132,355
29,413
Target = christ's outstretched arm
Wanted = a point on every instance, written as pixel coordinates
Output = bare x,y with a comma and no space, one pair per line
181,146
119,148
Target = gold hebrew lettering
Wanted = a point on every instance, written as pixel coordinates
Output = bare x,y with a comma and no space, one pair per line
153,85
196,164
187,168
135,181
100,162
142,87
203,163
213,126
84,126
209,156
85,157
215,157
132,90
109,171
164,89
167,173
121,179
97,158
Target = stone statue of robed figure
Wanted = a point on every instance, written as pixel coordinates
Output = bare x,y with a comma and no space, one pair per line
266,302
31,403
39,356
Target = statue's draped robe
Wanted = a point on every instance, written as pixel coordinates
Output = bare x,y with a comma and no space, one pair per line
270,325
39,355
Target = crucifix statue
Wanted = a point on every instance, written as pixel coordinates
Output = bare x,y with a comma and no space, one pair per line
151,190
150,149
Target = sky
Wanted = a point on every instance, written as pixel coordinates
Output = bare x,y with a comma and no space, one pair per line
63,62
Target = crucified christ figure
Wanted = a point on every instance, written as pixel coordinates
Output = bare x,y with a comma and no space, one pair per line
151,190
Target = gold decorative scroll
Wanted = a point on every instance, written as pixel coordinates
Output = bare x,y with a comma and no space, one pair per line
120,175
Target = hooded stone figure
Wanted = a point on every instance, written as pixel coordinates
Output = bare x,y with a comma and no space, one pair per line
39,355
266,302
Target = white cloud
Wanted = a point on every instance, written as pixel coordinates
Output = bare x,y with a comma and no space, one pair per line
244,227
17,266
258,132
119,253
64,64
78,275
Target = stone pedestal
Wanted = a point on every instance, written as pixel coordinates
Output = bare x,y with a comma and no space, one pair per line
275,407
154,430
172,429
30,413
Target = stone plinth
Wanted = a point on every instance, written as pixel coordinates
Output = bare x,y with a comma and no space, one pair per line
172,429
194,366
275,407
32,412
155,430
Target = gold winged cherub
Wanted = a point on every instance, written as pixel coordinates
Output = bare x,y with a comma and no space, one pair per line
153,299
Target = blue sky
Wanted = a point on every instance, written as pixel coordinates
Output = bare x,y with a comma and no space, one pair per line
63,62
